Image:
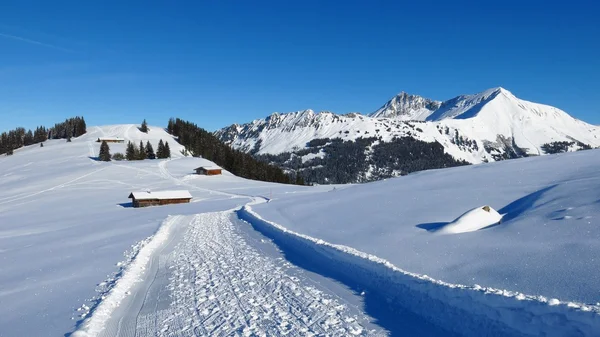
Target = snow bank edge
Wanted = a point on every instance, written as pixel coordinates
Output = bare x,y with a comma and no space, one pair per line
467,310
94,324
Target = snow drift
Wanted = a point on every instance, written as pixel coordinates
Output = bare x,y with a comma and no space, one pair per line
461,309
475,219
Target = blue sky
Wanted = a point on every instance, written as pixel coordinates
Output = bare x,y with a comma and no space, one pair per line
220,62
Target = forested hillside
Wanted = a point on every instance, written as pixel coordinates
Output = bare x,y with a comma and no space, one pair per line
201,143
19,137
334,161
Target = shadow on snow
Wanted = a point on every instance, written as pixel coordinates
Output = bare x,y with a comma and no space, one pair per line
510,211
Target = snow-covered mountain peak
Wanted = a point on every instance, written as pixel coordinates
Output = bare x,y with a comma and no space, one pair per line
405,106
479,127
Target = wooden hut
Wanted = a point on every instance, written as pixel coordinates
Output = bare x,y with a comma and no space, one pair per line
209,170
148,198
111,140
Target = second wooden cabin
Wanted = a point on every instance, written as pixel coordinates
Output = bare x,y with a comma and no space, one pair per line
209,170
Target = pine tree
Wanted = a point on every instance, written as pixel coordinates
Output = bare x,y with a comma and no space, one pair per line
130,152
144,127
160,152
104,152
141,154
167,153
299,180
69,139
150,151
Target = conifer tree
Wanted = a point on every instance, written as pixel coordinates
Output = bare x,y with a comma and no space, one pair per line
144,127
160,152
150,151
104,152
130,152
167,153
141,154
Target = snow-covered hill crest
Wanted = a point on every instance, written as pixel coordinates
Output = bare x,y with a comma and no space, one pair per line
488,126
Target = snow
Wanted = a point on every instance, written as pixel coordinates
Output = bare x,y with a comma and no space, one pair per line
255,258
475,219
546,245
442,308
160,195
480,118
218,277
65,221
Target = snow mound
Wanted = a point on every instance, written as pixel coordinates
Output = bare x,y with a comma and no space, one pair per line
472,220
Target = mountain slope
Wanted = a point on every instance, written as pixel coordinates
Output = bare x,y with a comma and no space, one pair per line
489,126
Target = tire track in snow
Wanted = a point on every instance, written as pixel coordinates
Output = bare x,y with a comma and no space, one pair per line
223,286
422,304
13,199
216,282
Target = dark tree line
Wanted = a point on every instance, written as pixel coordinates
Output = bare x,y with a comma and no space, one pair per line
201,143
72,127
141,152
362,160
560,147
19,137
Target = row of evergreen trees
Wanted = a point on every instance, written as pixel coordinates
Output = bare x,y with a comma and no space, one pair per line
19,137
201,143
362,159
134,152
142,152
72,127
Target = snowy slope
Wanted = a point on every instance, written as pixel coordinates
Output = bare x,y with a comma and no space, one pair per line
130,132
216,266
65,221
476,128
547,243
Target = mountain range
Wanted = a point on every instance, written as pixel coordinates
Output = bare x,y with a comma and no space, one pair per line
488,126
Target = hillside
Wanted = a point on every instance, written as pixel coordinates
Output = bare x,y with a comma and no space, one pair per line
65,222
256,258
489,126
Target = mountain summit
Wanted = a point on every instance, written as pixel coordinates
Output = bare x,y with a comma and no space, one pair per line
488,126
407,107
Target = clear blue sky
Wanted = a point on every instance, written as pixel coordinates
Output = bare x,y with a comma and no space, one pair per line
220,62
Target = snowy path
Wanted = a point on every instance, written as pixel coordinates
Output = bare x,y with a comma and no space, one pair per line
216,276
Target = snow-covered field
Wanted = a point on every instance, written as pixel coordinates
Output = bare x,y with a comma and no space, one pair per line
254,258
65,221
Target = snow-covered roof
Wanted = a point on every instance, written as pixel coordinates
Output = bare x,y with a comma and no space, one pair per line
212,167
160,195
111,138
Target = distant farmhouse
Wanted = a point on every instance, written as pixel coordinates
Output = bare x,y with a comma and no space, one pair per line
208,170
111,140
148,198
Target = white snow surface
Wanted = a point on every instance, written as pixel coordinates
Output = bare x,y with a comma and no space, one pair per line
66,221
343,260
547,243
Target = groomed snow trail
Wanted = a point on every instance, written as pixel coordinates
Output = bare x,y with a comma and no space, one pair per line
217,281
